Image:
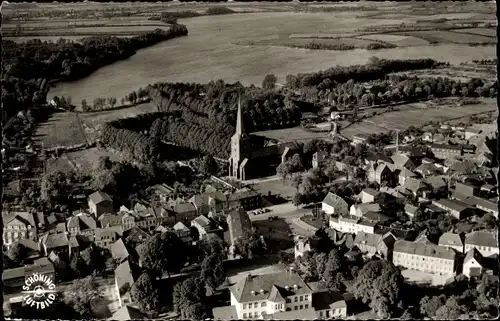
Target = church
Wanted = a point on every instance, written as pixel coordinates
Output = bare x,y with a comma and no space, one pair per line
250,159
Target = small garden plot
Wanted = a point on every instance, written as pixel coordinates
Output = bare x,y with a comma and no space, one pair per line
84,160
478,31
400,41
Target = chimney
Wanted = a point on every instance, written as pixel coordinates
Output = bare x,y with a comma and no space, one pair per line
287,287
253,292
295,286
262,291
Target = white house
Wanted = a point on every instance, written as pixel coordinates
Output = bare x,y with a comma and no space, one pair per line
453,241
485,242
473,264
334,204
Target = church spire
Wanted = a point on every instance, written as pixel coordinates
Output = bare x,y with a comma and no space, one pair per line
239,119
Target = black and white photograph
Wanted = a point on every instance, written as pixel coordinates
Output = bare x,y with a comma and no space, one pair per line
250,160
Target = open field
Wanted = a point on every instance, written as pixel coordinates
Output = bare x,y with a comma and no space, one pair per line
274,186
462,73
478,31
62,129
417,117
300,42
68,129
82,160
290,134
449,37
402,41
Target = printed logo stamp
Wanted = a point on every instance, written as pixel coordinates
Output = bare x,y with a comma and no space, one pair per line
40,291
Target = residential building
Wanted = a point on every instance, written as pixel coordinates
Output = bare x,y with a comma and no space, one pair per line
360,210
485,242
371,244
257,295
415,186
334,204
428,169
119,251
201,203
55,242
369,195
245,198
113,220
379,174
437,185
473,265
183,232
125,276
182,210
238,224
32,248
352,224
105,237
411,210
424,257
404,174
204,225
465,189
485,205
328,305
305,314
83,224
100,203
453,241
18,226
444,151
402,162
319,158
14,279
456,208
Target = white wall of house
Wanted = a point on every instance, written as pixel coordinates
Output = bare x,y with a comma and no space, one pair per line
484,250
472,264
328,209
424,263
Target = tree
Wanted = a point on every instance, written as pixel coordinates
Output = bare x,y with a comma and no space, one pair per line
85,106
249,245
296,163
197,311
269,82
212,271
81,295
186,293
212,244
163,253
78,266
17,253
451,310
330,170
378,284
321,259
284,169
306,266
112,101
429,305
209,165
145,293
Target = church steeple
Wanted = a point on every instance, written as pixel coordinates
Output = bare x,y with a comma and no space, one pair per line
239,119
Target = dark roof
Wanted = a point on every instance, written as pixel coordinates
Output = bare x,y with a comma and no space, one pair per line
435,181
482,238
99,197
452,204
238,222
273,285
424,249
474,254
55,240
376,216
25,217
413,184
326,299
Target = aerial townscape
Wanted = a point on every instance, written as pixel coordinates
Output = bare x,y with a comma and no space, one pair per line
239,160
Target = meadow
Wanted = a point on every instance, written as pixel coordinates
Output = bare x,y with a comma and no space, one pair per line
418,116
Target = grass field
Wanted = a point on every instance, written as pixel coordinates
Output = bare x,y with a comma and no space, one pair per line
82,161
402,41
299,42
290,134
62,129
417,117
449,37
68,129
478,31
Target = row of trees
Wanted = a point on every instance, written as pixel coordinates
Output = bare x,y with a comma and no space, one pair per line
375,69
395,89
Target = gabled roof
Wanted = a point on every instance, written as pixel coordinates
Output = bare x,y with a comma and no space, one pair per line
124,277
119,250
411,209
239,223
474,254
481,238
127,313
424,249
367,239
25,218
107,232
98,197
435,181
367,207
450,239
333,200
243,289
400,160
405,172
414,184
203,221
179,226
452,204
55,240
376,216
83,222
381,168
370,191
